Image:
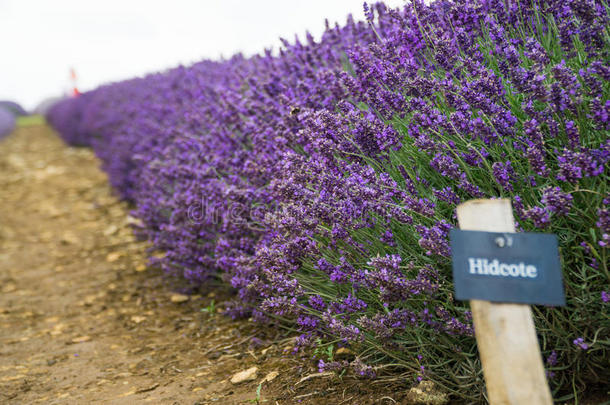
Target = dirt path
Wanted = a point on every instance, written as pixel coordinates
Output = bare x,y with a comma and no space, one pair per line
83,320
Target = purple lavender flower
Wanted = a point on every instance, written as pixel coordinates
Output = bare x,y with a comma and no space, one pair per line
539,217
580,342
307,322
350,304
447,195
552,359
504,173
572,134
362,369
331,365
434,239
536,158
316,302
446,166
348,333
556,201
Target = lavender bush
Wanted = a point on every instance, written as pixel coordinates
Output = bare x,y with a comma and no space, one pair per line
7,122
321,182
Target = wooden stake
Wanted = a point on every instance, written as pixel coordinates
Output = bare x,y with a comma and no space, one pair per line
505,333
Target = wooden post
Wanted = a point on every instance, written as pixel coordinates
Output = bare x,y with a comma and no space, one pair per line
505,333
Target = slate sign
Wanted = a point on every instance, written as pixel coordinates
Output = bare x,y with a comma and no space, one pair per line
507,267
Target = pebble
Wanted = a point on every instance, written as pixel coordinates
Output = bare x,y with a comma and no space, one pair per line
111,230
138,319
113,256
344,352
246,375
271,376
426,393
179,298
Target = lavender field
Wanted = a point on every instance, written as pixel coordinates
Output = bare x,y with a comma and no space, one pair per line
320,181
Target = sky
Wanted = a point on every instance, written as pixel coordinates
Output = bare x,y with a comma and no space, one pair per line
111,40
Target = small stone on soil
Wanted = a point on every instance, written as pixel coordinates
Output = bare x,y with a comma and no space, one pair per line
426,393
179,298
246,375
138,319
111,230
344,352
113,257
271,376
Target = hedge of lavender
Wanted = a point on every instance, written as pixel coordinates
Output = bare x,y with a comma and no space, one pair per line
7,122
321,182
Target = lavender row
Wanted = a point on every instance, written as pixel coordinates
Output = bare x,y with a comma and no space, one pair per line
321,182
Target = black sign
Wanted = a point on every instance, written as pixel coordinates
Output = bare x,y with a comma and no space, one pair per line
507,267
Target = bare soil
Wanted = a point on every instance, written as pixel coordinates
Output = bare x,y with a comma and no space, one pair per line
83,320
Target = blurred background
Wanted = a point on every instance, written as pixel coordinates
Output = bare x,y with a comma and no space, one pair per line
50,47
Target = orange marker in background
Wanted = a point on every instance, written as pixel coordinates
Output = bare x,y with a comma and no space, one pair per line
75,92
